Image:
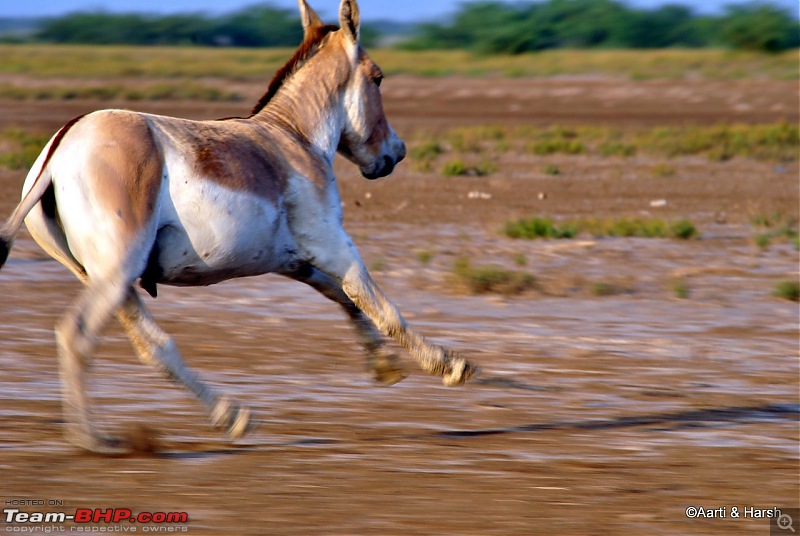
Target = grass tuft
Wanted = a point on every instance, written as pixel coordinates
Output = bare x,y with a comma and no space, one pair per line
681,289
424,256
683,229
487,279
774,227
604,288
787,290
539,227
551,169
427,150
458,168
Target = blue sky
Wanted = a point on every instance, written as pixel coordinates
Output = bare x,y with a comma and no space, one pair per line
403,10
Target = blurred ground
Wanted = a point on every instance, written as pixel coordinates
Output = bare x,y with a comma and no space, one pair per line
595,415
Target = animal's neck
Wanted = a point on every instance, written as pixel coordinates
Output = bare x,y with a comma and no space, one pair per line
311,108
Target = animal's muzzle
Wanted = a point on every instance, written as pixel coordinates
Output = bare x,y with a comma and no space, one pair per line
381,169
385,166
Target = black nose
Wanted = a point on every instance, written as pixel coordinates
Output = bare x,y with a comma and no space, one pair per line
386,167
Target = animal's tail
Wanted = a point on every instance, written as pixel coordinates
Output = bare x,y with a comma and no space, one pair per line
9,231
40,185
5,248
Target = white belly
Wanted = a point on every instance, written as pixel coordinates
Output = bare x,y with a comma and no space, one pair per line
208,233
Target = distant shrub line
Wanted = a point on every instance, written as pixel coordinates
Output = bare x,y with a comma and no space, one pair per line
253,26
481,26
513,28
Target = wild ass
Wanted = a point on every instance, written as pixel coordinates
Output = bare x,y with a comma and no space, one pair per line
119,196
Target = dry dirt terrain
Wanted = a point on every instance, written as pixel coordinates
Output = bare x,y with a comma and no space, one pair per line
598,412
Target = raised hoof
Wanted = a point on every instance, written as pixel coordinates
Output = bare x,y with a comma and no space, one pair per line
460,371
388,376
386,369
235,419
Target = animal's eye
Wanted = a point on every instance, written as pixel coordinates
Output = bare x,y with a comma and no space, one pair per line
378,79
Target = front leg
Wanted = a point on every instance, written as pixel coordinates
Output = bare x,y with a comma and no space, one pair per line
337,257
359,286
381,361
315,222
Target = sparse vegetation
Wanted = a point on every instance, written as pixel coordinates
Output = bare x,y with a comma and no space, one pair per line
165,91
19,148
82,62
454,168
787,290
467,140
683,229
458,167
681,289
427,150
617,148
542,227
551,169
539,227
604,288
774,227
424,256
489,279
777,141
664,170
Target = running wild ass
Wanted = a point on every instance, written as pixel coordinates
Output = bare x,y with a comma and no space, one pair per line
118,196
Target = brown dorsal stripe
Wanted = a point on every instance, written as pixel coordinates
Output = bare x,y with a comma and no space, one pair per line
46,204
57,141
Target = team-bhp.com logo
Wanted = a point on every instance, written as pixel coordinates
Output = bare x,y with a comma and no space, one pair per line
95,515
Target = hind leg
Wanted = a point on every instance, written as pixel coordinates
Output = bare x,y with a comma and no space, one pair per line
157,349
381,362
76,336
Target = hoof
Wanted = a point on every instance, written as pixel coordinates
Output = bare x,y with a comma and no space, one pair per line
142,439
235,419
386,370
99,444
388,377
460,370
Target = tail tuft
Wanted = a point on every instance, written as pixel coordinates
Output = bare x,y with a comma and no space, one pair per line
5,247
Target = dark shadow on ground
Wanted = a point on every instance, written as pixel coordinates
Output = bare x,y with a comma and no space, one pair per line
698,418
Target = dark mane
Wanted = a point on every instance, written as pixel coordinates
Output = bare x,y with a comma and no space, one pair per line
307,48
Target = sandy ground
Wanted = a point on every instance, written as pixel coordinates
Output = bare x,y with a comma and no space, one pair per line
594,415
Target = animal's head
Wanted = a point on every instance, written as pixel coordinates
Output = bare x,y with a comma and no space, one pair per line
367,139
334,86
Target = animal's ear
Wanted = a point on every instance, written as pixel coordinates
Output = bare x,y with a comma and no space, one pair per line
350,20
308,16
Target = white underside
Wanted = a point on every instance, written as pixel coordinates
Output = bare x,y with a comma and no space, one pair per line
207,233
